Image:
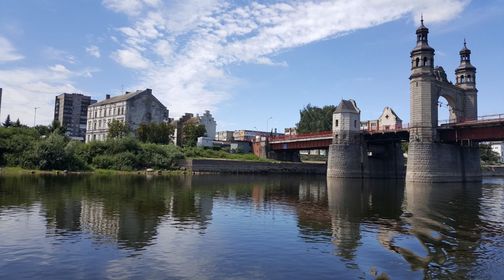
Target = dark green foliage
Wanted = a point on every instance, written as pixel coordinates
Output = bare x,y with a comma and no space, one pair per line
487,155
191,132
14,143
158,133
53,153
196,152
315,119
7,122
117,129
56,127
17,123
160,156
43,130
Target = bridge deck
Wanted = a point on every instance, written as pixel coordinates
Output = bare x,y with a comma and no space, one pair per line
486,128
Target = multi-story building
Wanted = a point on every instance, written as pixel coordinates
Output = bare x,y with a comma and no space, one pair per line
225,136
206,120
250,135
132,108
210,125
388,120
70,110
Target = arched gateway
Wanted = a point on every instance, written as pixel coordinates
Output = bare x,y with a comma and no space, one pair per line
354,153
429,159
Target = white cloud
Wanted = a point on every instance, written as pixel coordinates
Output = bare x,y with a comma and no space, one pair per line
59,55
24,89
93,51
7,51
131,58
191,42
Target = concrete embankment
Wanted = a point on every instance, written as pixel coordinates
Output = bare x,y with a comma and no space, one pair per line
493,171
237,166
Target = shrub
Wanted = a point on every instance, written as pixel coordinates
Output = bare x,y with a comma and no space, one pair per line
160,156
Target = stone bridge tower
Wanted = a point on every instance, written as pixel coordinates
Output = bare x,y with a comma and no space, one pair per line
429,158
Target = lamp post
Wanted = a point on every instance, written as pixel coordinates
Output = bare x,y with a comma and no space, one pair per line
267,123
35,116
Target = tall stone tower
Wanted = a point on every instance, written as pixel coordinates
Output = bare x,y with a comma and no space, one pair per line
346,156
422,92
429,158
466,80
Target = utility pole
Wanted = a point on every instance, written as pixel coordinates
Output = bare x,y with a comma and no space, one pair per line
35,117
267,123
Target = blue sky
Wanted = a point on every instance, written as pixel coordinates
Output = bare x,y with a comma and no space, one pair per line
246,61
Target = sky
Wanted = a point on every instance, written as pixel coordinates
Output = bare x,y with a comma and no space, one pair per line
253,64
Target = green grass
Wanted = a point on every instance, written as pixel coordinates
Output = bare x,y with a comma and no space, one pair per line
201,153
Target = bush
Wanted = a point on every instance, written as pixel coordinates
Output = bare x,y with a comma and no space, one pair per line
160,156
125,161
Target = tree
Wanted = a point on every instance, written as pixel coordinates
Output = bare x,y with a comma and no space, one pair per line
487,155
7,122
315,119
157,133
117,129
17,123
191,132
56,127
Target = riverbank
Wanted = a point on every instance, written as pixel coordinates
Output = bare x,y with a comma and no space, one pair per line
193,166
493,171
251,167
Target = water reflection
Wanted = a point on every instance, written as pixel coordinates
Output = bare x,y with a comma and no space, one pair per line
245,226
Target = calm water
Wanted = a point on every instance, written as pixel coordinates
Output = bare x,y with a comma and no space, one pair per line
248,227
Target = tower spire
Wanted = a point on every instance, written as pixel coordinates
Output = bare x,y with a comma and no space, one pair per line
421,19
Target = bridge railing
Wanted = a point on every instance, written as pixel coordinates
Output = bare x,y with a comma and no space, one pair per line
485,118
301,136
383,128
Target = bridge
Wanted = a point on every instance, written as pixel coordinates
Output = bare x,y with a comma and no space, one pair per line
484,129
436,153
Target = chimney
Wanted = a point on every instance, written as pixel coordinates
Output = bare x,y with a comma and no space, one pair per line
107,96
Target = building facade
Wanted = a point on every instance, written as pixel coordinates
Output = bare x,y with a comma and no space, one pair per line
388,120
131,108
499,149
71,110
225,136
209,122
250,135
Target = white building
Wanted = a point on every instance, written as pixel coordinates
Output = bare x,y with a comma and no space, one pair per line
208,121
499,148
132,108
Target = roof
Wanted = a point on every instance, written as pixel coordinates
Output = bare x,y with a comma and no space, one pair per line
120,98
392,112
347,106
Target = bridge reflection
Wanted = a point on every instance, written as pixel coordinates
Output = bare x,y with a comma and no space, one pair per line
435,229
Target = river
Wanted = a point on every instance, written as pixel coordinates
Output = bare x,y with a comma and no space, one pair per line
248,227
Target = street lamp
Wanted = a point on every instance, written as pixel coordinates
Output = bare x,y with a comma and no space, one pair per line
267,123
35,116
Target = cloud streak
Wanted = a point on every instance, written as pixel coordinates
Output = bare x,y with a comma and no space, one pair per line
184,47
7,51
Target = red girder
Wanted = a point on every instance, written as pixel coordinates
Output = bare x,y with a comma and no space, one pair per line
483,129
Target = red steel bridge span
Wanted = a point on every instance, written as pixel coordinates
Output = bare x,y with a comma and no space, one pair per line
485,128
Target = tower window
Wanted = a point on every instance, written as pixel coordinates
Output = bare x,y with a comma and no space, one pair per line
355,123
417,62
425,61
468,78
336,123
462,79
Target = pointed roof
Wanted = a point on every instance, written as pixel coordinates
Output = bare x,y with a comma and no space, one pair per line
347,106
391,112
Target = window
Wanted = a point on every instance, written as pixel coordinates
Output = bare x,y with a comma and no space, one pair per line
355,123
417,62
462,79
336,123
425,61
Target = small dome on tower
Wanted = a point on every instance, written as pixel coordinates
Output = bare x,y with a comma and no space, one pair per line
465,50
422,29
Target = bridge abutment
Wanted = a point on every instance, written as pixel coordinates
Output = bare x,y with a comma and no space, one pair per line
440,162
